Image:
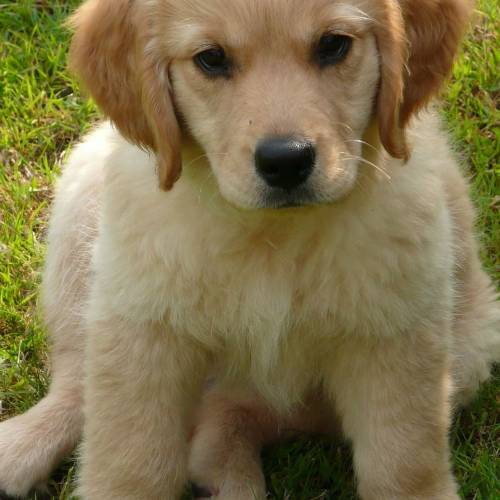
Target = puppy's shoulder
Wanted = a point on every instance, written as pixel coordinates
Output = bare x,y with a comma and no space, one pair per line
432,149
423,186
89,160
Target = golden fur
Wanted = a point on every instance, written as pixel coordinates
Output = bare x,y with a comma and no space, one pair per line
192,326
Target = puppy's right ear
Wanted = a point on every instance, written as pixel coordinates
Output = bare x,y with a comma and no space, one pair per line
107,54
417,40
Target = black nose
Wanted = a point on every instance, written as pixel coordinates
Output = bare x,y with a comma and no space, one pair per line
284,162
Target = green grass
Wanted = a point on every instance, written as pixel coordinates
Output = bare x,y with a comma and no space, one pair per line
42,114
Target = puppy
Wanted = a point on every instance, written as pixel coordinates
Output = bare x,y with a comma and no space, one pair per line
315,261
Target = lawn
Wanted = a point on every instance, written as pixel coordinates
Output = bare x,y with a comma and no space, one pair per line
42,114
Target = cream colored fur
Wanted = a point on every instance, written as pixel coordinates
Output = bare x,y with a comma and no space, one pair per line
196,331
252,294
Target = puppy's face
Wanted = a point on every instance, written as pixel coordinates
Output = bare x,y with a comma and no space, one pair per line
277,93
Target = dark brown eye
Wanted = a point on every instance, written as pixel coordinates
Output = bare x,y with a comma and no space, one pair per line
213,62
332,49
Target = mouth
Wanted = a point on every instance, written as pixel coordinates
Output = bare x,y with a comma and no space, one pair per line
278,198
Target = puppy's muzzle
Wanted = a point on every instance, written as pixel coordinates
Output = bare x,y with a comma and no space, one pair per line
284,162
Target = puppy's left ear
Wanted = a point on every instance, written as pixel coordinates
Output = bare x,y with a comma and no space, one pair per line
112,52
418,40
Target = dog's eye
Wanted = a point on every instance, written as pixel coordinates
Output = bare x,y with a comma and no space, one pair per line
332,49
213,62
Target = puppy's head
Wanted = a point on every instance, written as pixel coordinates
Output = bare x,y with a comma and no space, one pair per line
278,93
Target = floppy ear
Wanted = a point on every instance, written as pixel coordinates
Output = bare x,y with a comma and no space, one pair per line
418,41
108,55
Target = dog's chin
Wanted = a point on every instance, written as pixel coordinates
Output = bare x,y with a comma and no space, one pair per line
276,198
266,198
281,200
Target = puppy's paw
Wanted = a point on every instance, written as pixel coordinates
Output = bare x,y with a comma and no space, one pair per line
40,495
230,491
18,471
4,496
200,491
242,492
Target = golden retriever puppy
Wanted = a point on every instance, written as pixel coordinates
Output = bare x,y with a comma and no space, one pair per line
315,261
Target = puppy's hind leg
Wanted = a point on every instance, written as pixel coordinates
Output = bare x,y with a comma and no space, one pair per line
32,444
476,325
224,459
476,335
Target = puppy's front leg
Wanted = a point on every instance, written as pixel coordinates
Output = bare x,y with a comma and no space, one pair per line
392,395
141,382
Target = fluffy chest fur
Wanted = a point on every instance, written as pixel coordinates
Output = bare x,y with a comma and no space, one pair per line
260,289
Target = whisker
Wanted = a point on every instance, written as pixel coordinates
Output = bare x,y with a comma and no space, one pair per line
364,143
342,124
367,162
193,161
198,158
